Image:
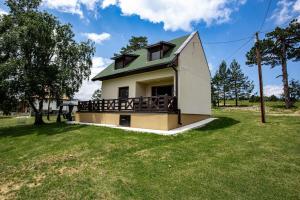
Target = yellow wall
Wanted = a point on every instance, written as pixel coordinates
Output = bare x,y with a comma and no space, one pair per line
194,79
110,88
156,121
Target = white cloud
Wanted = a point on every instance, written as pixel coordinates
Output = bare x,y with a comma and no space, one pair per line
296,6
71,6
107,3
97,38
3,12
88,87
286,10
276,90
178,14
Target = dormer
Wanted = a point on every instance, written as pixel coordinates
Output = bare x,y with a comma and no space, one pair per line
159,50
122,61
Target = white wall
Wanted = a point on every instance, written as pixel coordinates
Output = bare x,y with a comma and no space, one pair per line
194,79
110,88
53,106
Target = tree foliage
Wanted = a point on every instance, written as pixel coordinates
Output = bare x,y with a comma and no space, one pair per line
135,43
39,55
223,75
240,86
97,95
294,88
277,48
230,83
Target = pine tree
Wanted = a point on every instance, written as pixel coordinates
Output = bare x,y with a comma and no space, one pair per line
216,89
240,86
135,43
223,74
285,47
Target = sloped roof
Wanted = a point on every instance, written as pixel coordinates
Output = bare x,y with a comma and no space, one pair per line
141,62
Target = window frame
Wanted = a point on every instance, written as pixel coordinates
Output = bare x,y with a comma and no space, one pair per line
119,92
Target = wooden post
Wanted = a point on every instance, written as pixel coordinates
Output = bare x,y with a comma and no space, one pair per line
90,106
258,60
102,105
166,102
140,103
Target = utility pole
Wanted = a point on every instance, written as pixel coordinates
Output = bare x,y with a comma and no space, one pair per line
261,91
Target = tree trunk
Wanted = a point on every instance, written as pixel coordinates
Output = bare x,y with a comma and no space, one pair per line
285,78
38,119
236,94
224,98
58,119
48,113
38,113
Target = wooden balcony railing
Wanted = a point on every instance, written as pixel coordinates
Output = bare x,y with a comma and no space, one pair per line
166,104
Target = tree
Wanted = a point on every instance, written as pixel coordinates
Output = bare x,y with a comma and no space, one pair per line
223,74
39,55
285,47
97,95
216,89
8,102
240,86
135,43
273,98
294,89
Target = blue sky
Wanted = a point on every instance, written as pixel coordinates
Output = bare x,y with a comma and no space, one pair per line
110,23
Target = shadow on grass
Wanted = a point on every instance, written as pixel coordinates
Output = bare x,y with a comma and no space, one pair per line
220,123
46,129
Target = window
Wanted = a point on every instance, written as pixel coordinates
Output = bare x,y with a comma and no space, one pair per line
159,50
162,90
119,64
124,60
155,55
125,120
123,92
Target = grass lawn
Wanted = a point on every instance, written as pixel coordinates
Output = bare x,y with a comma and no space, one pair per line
235,157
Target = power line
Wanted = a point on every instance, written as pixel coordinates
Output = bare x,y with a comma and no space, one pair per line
266,15
241,47
262,25
227,42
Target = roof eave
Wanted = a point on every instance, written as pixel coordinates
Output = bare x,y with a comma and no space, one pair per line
136,71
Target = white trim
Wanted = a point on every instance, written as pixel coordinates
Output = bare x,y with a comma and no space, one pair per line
185,43
158,132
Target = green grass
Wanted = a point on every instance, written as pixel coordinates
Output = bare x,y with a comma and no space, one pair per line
235,157
276,106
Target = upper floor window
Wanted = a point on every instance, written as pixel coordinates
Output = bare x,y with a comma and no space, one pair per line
155,55
122,61
159,50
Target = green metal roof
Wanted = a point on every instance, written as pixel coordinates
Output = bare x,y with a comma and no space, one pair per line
141,62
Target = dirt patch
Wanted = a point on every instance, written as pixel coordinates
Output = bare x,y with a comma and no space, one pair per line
37,181
8,189
68,171
50,160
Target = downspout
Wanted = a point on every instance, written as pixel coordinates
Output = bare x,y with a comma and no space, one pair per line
174,64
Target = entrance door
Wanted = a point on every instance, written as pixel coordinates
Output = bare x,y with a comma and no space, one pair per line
162,90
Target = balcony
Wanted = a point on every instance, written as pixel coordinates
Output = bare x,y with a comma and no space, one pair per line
155,104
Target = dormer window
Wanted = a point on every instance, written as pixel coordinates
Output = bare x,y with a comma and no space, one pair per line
124,60
159,50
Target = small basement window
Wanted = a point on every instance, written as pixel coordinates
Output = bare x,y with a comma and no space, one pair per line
125,120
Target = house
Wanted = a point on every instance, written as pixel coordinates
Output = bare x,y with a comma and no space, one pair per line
161,87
